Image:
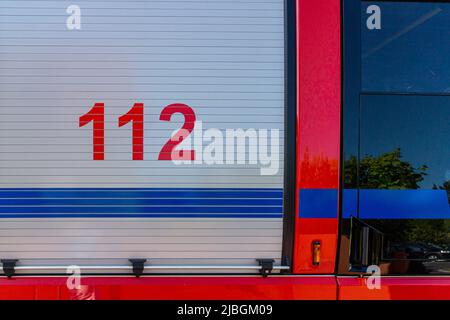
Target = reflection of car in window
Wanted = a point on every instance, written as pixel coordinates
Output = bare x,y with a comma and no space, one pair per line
420,251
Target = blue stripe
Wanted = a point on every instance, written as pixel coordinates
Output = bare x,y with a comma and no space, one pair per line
144,215
397,204
140,202
318,203
116,209
404,204
350,203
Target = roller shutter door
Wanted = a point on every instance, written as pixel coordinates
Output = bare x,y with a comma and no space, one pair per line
222,59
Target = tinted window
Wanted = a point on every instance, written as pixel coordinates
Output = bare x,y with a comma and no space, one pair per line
397,133
409,136
410,50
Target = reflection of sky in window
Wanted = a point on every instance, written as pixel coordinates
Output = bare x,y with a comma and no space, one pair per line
418,125
411,52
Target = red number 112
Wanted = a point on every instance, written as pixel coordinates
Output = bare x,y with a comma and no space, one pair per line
136,116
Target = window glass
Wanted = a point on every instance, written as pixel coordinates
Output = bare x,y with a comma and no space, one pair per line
404,142
396,131
404,179
408,49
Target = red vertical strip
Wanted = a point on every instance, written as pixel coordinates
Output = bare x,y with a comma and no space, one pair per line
136,116
97,116
318,125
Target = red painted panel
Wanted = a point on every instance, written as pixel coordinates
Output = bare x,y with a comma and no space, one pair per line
395,288
318,124
172,287
319,93
308,226
310,230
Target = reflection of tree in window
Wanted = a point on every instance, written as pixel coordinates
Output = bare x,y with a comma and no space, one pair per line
390,171
445,186
387,171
